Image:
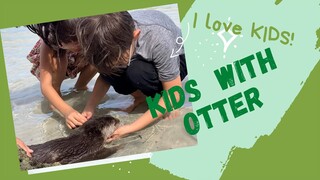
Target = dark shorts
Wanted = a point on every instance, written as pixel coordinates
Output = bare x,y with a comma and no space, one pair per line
141,75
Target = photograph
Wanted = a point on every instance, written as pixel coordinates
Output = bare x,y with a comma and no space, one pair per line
160,89
79,88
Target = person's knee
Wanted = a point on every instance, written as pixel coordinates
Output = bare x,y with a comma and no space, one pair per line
143,76
183,67
140,72
134,74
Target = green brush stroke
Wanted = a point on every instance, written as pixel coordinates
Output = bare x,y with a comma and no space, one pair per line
292,151
278,2
27,12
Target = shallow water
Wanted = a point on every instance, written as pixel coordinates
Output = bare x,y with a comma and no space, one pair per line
35,122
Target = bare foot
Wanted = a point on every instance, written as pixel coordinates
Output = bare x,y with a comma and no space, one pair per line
139,98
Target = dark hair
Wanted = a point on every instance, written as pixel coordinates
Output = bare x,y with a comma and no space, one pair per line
53,33
106,39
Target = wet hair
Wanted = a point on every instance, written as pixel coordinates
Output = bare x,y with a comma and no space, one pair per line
106,39
54,33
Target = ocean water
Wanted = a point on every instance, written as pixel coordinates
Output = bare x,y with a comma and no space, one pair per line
35,122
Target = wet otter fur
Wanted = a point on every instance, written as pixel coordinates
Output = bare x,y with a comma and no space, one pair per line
87,143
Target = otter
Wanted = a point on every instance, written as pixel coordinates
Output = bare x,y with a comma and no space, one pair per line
87,143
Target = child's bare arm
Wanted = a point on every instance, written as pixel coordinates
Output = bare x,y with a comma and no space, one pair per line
99,91
48,66
146,118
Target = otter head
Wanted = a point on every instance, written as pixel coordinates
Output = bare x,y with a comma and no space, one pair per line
101,126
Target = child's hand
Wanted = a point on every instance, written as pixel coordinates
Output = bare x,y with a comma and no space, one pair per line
172,115
87,114
74,119
120,132
23,146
